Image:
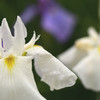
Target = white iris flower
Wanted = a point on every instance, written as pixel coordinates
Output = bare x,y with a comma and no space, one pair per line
16,77
88,70
81,48
84,59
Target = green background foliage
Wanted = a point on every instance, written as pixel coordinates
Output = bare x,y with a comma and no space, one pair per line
87,13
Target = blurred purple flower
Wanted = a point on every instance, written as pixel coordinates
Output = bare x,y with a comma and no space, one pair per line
29,13
54,19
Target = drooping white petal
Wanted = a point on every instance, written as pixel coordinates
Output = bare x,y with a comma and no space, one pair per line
88,70
6,35
17,81
72,56
50,69
19,36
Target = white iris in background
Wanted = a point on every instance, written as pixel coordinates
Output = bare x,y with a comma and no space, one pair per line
81,49
16,77
84,59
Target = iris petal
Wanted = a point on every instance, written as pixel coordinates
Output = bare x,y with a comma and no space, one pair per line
58,22
88,70
20,83
19,36
6,35
72,56
29,13
51,70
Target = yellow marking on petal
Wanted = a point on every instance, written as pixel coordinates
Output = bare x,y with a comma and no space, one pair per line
31,46
83,46
24,54
99,49
36,46
9,62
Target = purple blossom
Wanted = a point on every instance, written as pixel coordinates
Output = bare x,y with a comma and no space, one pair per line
29,13
54,19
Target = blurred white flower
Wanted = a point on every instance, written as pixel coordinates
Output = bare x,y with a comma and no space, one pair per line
16,77
84,59
88,70
80,49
